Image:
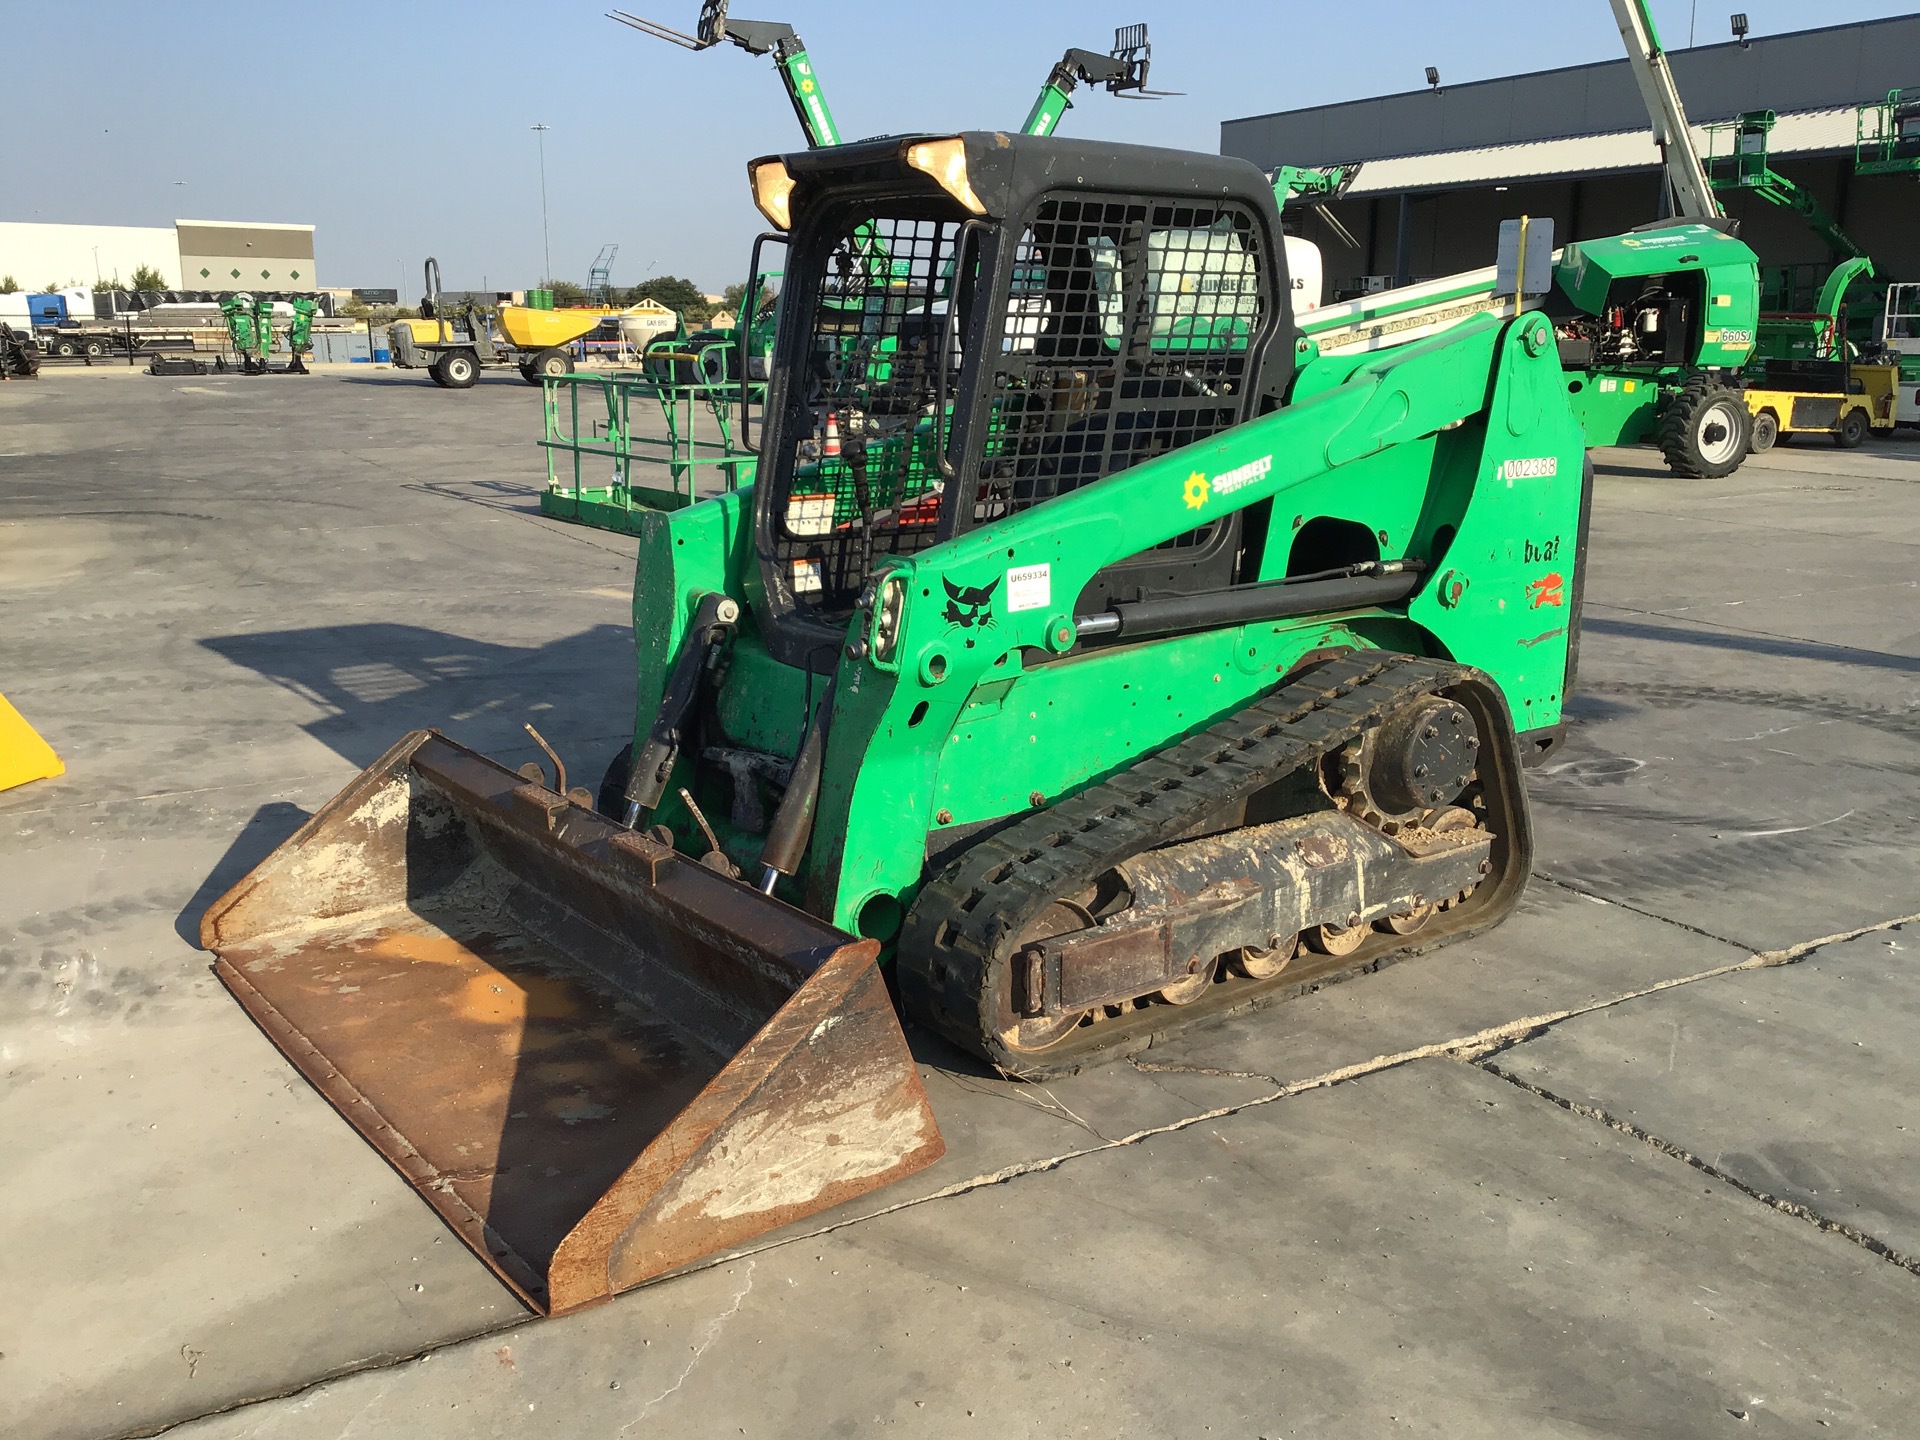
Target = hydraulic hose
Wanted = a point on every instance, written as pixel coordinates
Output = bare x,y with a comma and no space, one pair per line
792,824
713,620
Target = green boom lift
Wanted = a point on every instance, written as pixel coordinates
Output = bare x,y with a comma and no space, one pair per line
1739,161
1653,326
1086,653
1887,135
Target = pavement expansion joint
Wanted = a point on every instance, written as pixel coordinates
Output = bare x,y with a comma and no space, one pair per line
372,1365
1859,1237
1572,889
1474,1049
1152,1067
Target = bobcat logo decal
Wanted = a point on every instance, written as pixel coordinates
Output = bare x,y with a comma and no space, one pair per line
1547,590
969,607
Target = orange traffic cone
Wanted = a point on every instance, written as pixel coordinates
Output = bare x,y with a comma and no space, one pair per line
832,448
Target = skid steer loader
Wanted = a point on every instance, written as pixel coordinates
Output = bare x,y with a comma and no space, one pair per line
1087,655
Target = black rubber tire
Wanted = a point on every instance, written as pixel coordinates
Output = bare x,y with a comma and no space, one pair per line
459,369
1766,432
549,362
714,363
1705,433
436,373
526,373
65,349
612,799
94,349
1852,431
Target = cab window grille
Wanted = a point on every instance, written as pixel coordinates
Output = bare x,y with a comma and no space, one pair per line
862,481
1127,335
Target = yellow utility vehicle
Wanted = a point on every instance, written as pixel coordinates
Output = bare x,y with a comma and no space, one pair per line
1837,398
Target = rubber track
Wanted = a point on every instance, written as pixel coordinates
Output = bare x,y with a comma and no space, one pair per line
961,933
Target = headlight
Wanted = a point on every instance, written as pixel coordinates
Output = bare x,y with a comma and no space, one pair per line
886,628
946,162
773,191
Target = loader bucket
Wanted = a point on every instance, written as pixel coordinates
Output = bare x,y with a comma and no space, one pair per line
596,1058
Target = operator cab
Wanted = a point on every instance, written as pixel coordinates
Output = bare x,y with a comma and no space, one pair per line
975,324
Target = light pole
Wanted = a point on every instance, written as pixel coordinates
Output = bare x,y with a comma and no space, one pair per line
546,245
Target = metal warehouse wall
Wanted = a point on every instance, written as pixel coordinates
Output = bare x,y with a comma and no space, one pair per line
1806,70
34,253
1455,230
217,256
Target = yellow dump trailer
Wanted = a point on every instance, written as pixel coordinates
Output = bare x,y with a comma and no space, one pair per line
531,330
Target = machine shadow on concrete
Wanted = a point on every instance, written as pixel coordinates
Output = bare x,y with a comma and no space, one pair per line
269,826
510,496
1753,644
377,681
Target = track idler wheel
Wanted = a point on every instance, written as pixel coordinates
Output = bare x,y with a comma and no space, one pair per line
1337,939
1037,1032
1256,963
1185,992
1411,923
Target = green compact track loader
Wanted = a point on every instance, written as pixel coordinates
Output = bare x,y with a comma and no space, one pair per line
1087,654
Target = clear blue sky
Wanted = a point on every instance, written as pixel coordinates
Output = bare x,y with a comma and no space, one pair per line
401,128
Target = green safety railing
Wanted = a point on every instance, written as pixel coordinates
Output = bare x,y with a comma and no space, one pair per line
607,457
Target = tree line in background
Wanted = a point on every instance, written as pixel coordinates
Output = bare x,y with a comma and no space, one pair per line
673,291
145,277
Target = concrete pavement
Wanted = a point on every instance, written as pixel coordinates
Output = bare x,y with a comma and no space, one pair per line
1559,1180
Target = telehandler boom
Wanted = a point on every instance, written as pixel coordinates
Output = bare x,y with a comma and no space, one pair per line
1086,651
1123,70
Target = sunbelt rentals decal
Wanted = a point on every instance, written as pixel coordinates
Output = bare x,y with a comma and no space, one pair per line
1200,488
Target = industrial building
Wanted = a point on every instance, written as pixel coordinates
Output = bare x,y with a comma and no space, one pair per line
1439,169
189,254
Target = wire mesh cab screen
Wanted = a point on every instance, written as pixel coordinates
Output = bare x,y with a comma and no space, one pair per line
1122,329
862,478
1128,331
